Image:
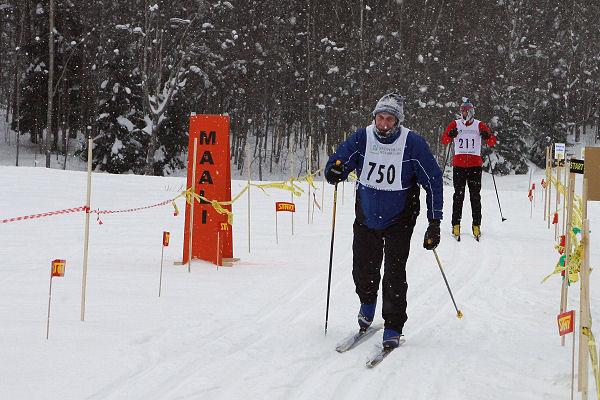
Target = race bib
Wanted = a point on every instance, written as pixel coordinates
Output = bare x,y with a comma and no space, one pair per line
468,140
382,168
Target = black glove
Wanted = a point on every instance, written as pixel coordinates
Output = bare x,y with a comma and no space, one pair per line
453,133
432,235
485,135
335,174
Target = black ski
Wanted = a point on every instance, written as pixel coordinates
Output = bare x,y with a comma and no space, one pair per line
383,353
358,338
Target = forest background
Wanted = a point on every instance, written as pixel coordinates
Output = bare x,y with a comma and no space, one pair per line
128,73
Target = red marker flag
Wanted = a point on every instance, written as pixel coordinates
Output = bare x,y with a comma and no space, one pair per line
566,322
284,206
530,195
58,268
555,220
166,238
533,186
543,184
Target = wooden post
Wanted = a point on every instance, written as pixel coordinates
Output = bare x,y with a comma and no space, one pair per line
162,255
573,362
565,195
548,178
584,310
192,205
309,172
292,180
87,227
546,188
558,183
584,320
248,156
49,300
567,232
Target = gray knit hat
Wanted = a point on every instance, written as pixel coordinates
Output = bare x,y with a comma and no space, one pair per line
391,103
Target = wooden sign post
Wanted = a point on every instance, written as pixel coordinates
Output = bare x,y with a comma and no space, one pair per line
591,191
57,268
283,206
545,183
566,324
567,230
165,243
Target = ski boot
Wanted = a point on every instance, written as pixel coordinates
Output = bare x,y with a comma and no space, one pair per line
476,232
366,315
391,339
456,232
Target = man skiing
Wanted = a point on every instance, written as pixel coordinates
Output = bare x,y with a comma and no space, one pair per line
467,133
391,162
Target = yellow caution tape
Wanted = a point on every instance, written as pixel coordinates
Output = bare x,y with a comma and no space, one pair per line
587,331
218,205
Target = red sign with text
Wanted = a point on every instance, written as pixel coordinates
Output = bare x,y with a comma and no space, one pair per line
58,268
566,322
213,182
283,206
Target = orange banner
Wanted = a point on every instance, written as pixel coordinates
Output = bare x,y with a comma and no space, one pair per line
566,322
58,268
213,182
283,206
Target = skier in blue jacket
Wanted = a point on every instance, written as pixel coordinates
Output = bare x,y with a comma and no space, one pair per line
391,162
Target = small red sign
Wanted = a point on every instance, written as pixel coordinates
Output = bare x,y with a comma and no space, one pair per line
283,206
58,267
166,238
566,322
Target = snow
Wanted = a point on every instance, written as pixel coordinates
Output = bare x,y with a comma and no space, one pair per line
126,123
256,330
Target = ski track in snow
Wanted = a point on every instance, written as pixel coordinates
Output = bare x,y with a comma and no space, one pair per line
256,330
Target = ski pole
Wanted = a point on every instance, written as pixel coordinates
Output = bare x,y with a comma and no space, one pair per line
494,179
459,314
331,253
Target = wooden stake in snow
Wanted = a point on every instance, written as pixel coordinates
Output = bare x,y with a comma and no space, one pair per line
292,180
248,157
546,184
283,206
87,227
566,324
57,268
165,243
308,180
568,204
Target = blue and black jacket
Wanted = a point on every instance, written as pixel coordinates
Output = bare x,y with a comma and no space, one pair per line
379,209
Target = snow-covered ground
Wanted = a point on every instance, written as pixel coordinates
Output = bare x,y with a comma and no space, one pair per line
256,330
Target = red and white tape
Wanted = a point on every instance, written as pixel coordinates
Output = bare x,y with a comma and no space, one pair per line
46,214
84,208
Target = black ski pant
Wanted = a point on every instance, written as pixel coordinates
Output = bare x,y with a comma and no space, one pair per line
462,177
369,247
